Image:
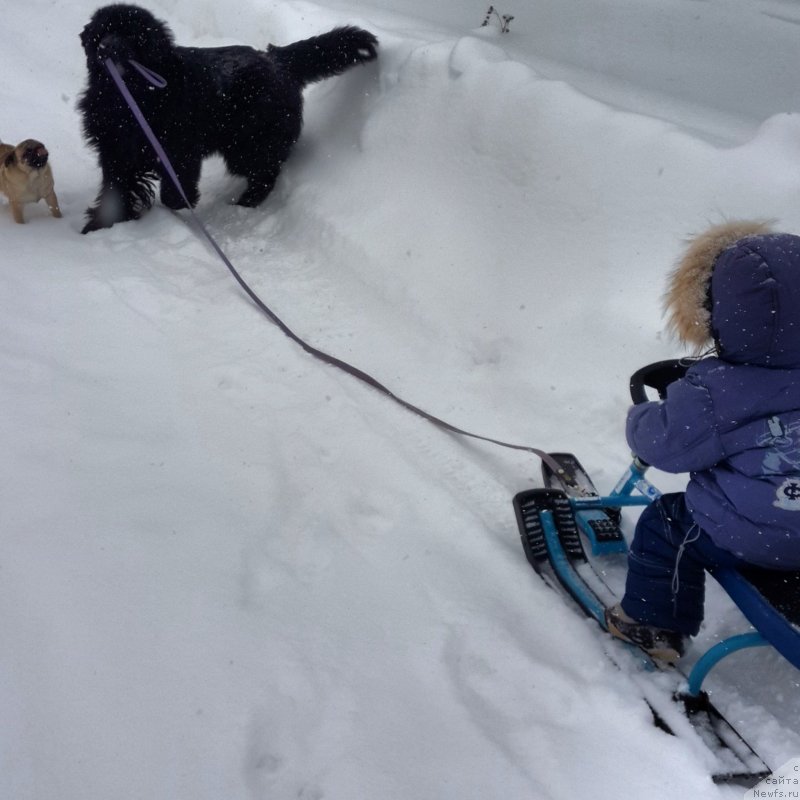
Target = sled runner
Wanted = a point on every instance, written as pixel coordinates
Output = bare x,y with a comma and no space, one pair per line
572,538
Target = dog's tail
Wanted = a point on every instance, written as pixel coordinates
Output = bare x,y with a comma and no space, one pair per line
324,56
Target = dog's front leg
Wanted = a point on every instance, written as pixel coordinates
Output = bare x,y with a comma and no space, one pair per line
119,200
52,204
188,173
16,212
107,209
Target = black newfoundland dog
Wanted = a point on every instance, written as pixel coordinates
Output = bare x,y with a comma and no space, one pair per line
243,103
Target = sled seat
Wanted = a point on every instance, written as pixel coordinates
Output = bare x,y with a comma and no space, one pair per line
770,599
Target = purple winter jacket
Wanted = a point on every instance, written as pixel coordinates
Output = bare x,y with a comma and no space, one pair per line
733,422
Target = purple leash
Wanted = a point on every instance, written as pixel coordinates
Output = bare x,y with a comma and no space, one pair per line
156,80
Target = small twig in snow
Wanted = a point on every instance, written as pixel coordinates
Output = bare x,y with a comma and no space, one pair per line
503,20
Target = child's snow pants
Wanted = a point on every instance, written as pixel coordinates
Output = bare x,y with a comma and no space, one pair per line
666,567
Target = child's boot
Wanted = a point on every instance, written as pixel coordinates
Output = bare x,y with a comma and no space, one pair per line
659,643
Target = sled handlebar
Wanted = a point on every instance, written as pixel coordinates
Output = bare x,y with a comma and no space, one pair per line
656,376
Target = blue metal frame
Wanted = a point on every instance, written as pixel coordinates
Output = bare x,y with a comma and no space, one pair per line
562,566
715,654
634,480
758,611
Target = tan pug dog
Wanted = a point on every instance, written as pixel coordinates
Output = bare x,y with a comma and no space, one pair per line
26,177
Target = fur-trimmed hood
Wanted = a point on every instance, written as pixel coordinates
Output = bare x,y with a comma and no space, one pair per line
738,286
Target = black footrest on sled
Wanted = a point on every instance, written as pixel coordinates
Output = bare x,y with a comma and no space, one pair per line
605,530
528,506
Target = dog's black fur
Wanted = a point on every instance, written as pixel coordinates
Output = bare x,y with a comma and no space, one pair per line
243,103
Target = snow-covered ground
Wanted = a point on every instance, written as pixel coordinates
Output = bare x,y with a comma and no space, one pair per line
227,571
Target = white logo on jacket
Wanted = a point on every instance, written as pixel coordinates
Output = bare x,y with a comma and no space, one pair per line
788,495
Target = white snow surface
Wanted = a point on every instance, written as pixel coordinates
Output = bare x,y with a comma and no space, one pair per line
229,571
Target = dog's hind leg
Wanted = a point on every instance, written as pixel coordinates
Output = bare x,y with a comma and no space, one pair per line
256,192
261,177
260,163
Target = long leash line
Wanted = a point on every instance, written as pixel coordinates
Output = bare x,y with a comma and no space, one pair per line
157,81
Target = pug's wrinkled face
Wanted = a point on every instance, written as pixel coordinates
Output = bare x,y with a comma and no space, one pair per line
32,153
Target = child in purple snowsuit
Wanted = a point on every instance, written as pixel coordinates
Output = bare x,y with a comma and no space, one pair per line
732,423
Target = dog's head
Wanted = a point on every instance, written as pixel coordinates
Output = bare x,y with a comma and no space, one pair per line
28,155
123,32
